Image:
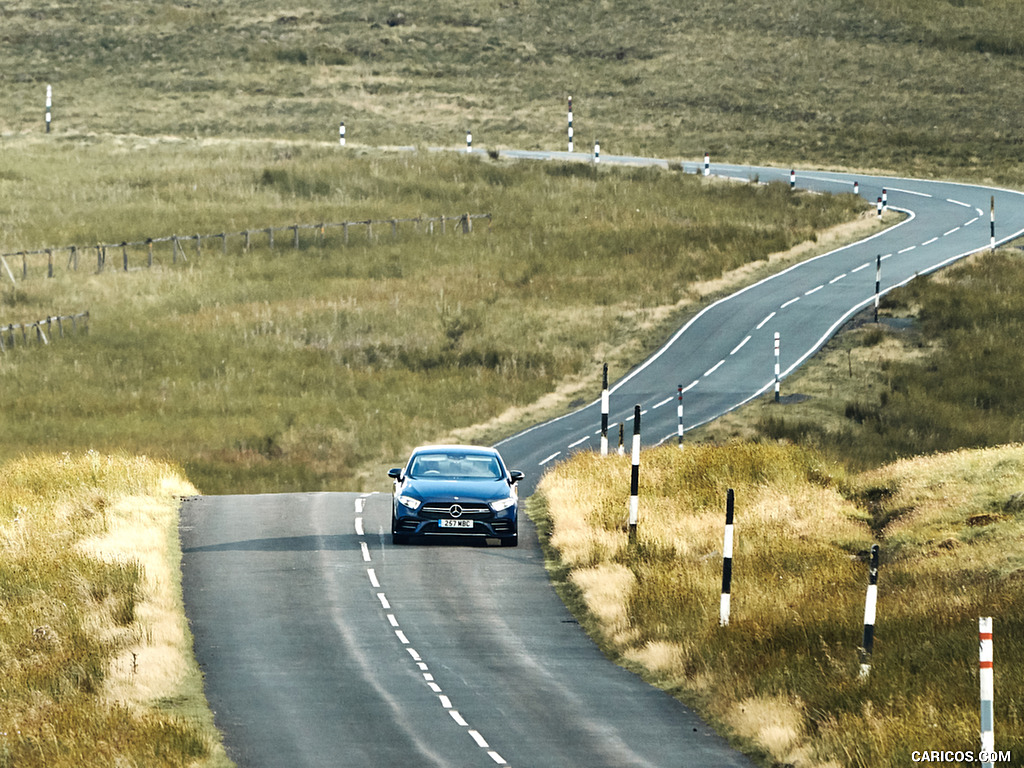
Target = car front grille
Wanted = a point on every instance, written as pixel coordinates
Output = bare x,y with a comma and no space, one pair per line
437,511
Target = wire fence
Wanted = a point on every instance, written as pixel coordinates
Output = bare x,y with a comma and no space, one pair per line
34,331
136,254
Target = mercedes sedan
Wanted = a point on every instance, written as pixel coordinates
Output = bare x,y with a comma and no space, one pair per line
455,490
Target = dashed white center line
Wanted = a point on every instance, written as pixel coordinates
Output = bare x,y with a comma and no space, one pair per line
549,458
366,551
497,758
663,402
714,368
392,620
415,656
384,601
954,229
968,223
907,249
359,527
434,687
735,349
445,701
929,242
581,441
459,719
813,290
865,265
401,637
957,202
837,278
763,322
373,578
791,301
480,740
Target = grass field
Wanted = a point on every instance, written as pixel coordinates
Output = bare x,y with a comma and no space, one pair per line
928,86
782,678
298,369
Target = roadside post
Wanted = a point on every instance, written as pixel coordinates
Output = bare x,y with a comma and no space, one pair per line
723,613
778,385
634,477
985,676
870,604
570,123
878,283
679,414
604,411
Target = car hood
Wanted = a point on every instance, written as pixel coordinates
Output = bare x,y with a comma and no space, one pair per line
482,491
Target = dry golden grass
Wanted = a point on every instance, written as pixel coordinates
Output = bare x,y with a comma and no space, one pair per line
782,678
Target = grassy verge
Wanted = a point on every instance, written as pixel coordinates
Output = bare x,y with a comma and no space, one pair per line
95,653
782,678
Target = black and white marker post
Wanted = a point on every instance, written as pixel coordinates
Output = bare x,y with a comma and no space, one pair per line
469,141
870,604
856,187
723,613
992,223
604,411
597,151
634,477
792,179
778,386
879,206
707,163
679,414
878,283
885,200
49,107
570,123
341,134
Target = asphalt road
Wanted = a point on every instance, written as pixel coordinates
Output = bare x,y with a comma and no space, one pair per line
323,645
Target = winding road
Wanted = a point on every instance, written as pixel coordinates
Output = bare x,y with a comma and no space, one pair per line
322,645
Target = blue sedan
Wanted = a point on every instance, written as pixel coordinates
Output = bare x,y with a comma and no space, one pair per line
455,490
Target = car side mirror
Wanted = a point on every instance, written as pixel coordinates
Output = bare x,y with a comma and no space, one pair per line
395,473
515,475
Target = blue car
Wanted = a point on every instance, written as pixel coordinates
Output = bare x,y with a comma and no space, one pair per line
455,490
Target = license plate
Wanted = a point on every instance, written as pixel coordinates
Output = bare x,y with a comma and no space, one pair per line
455,523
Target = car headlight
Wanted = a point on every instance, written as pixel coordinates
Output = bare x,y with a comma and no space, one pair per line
502,504
410,502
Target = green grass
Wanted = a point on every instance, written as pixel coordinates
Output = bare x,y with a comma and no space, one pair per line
298,369
782,678
926,86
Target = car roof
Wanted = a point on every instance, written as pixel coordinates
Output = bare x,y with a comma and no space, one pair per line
480,450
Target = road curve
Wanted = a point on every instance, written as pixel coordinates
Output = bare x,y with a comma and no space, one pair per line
323,645
724,356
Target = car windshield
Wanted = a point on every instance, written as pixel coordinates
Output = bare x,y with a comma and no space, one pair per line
452,464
